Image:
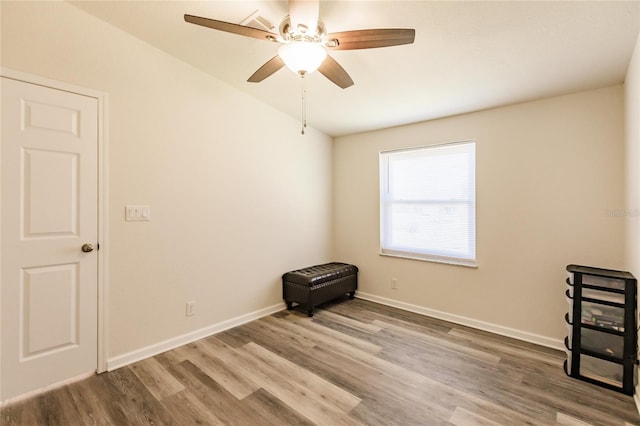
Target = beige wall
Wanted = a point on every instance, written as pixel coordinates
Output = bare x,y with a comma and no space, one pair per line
237,196
547,173
632,156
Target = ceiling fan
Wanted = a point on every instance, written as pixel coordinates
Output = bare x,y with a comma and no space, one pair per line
305,42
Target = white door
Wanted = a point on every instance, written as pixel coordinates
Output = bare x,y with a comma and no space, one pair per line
49,207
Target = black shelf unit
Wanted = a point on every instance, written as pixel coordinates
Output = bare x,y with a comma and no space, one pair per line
601,344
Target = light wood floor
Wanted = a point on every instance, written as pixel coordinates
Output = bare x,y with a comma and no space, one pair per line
353,363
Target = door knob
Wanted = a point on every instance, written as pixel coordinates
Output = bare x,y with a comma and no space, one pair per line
87,248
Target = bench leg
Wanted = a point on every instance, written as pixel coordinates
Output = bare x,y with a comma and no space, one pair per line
352,295
310,312
289,306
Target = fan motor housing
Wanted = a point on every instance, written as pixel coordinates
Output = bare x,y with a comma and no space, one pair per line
289,33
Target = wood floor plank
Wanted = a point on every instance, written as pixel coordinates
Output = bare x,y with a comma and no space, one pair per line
20,413
222,371
174,356
322,335
404,384
363,379
272,411
292,393
455,364
234,337
465,395
156,378
392,389
388,313
485,408
371,414
534,402
355,332
482,388
318,338
91,407
185,408
50,411
389,393
354,363
401,328
222,350
366,327
565,420
269,327
134,399
344,307
503,347
218,401
106,399
435,397
315,404
462,417
324,390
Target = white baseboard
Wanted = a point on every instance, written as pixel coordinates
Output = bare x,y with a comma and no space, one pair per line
636,398
469,322
160,347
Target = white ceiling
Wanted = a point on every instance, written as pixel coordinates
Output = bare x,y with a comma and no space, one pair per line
467,56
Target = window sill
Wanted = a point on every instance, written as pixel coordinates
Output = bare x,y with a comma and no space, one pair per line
472,265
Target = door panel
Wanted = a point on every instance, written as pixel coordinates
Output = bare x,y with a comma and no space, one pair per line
49,306
49,188
50,193
50,117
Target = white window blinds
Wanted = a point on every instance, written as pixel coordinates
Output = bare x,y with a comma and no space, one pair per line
427,203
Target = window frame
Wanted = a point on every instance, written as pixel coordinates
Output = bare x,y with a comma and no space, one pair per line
386,203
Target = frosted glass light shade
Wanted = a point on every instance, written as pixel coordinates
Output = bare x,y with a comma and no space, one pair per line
302,57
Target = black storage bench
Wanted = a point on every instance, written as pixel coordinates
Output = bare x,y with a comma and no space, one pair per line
318,284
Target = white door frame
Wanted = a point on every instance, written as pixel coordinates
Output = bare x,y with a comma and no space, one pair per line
103,210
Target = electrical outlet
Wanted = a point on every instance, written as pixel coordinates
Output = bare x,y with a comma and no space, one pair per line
191,309
394,283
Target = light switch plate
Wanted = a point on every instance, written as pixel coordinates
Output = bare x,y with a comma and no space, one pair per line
137,213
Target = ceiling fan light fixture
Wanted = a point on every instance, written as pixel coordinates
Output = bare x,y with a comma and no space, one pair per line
302,57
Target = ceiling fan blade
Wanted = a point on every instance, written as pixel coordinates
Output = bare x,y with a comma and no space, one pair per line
368,39
231,28
273,65
305,13
334,72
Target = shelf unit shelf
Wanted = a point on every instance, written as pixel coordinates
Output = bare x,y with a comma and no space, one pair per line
601,344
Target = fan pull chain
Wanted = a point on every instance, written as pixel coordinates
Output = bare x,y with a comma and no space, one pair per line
304,104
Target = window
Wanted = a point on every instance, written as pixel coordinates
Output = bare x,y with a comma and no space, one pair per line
427,203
